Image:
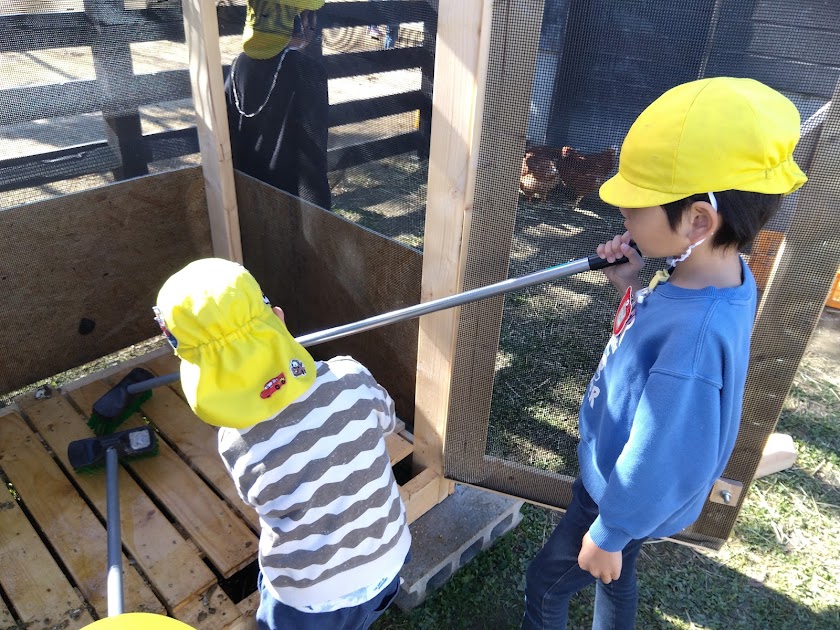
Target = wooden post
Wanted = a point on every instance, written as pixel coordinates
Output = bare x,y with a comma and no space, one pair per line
115,74
427,85
794,298
202,34
461,57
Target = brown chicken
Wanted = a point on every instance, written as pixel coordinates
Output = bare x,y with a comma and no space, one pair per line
540,172
583,173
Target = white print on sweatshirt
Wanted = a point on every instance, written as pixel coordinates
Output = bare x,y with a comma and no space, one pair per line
612,347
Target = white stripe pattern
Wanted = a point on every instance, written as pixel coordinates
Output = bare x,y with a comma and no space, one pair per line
319,477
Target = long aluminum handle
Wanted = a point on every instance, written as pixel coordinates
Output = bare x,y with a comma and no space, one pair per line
115,576
410,312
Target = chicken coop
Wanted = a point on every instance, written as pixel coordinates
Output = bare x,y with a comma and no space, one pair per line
465,143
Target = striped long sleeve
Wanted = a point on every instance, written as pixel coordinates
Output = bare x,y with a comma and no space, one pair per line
320,478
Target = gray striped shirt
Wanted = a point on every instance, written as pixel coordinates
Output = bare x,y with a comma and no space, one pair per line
320,478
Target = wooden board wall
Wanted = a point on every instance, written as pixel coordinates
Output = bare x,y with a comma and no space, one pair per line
325,271
79,274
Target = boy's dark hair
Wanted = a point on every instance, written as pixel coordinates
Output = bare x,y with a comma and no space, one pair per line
743,213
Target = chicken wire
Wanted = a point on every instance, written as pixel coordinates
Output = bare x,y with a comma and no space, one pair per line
587,69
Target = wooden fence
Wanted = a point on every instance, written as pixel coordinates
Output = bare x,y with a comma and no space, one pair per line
109,29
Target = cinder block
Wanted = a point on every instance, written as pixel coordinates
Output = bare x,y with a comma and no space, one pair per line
471,552
450,535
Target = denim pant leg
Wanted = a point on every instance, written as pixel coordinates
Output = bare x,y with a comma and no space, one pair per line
272,614
554,575
616,603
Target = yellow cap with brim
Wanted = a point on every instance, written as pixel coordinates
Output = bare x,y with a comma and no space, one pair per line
713,135
239,363
138,621
269,25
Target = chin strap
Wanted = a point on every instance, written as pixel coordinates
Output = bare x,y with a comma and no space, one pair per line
672,262
664,274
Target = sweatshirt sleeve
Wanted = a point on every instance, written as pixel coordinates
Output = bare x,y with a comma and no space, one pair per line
670,456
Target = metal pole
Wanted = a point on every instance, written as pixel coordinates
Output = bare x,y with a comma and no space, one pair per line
459,299
591,263
115,577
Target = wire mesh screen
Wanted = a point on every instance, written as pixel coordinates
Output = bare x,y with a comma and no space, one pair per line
92,91
363,78
380,113
585,70
331,138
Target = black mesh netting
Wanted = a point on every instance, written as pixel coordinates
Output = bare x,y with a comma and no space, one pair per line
575,75
96,91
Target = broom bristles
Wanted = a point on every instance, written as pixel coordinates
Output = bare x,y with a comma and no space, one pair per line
101,425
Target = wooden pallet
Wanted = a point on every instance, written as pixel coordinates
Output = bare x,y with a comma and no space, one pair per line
184,528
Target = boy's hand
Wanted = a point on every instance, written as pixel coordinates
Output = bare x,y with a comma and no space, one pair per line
603,565
626,275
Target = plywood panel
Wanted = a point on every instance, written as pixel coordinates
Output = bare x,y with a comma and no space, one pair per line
325,271
79,274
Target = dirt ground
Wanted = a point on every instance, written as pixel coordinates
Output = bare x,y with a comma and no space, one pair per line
825,341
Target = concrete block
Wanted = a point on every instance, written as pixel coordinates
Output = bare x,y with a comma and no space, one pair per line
779,454
450,535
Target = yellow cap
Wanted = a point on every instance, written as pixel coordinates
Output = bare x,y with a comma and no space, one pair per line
138,621
269,25
239,363
708,135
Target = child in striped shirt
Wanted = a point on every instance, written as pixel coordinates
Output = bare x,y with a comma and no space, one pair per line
304,443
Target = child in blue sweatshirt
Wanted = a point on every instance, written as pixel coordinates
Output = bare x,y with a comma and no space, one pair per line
701,170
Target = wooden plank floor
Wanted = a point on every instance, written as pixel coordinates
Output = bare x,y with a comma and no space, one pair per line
185,532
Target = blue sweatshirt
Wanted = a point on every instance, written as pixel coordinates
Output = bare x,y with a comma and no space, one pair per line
661,414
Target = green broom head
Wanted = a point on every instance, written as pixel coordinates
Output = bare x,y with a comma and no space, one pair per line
113,408
88,455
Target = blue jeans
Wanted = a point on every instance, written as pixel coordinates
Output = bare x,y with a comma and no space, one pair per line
554,575
275,615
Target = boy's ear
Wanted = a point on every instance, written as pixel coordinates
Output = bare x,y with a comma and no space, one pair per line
279,312
704,221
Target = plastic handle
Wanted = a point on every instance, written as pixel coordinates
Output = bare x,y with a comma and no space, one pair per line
596,262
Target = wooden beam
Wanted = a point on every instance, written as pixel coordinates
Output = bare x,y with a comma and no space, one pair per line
421,494
463,46
114,69
791,304
202,34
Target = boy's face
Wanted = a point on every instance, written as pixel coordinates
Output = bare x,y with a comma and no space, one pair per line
650,229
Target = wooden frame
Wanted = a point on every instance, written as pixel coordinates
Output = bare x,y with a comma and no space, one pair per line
458,103
202,34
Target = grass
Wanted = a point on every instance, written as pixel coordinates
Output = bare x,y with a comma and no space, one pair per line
778,571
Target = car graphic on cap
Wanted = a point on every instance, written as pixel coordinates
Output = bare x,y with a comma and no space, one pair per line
297,368
273,385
